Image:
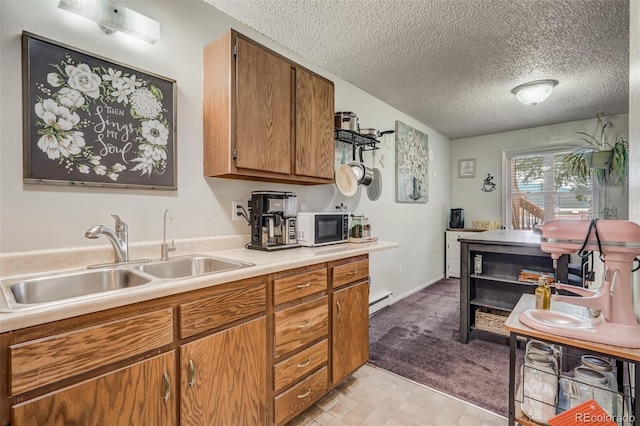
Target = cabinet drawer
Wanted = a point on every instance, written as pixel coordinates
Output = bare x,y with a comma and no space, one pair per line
301,324
205,314
44,361
298,286
350,272
298,398
297,366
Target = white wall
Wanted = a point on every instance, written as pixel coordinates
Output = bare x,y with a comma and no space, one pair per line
42,216
634,111
487,149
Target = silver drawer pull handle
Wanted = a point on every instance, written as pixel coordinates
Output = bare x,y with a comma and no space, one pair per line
353,272
192,373
306,324
305,285
304,364
304,395
167,386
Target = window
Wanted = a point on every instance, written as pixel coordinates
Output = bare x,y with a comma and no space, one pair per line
540,189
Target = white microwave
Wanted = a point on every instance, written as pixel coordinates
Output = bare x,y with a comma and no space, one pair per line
322,228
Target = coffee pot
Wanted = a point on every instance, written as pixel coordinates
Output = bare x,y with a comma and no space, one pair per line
273,220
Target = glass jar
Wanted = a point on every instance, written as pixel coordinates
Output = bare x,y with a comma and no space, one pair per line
554,351
366,227
603,366
356,227
590,384
540,387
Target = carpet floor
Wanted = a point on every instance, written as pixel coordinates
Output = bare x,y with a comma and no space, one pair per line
417,338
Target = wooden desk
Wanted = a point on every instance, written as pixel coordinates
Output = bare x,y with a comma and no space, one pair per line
517,329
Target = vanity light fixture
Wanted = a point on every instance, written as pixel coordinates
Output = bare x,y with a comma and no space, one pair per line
534,92
112,17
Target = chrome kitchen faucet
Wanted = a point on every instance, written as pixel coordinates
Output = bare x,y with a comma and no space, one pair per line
165,248
118,239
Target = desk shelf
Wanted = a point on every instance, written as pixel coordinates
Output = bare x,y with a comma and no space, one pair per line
498,286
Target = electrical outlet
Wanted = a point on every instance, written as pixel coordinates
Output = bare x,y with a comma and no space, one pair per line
236,210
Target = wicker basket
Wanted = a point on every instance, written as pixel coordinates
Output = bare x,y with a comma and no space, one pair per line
491,320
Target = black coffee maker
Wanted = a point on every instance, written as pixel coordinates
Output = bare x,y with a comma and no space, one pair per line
273,220
456,219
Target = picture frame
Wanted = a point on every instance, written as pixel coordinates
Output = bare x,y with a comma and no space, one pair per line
467,168
91,121
412,164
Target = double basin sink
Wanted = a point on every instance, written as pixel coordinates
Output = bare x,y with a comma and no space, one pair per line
56,288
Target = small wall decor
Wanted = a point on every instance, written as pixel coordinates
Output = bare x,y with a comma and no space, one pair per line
90,121
488,185
412,180
467,168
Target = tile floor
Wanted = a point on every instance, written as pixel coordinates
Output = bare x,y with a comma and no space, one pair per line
372,396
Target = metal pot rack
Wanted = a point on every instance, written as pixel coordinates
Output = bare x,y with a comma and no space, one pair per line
367,143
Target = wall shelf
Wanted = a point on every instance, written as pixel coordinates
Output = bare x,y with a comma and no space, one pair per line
367,143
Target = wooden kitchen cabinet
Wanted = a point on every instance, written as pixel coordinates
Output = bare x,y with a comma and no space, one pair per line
144,393
223,373
350,330
350,316
254,352
265,117
223,377
314,153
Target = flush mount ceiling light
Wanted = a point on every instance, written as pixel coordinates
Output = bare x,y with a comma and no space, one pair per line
112,17
534,92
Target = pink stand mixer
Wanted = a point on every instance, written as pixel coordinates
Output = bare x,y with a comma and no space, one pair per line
619,243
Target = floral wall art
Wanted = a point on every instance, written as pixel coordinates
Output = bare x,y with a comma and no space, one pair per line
412,156
93,122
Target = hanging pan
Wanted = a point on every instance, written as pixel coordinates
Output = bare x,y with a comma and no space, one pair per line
374,190
375,133
344,177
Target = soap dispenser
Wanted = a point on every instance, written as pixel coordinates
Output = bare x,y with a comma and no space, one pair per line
543,294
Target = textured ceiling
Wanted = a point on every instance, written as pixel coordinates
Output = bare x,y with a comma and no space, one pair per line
451,64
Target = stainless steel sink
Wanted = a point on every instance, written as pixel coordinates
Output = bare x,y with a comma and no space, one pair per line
189,266
55,287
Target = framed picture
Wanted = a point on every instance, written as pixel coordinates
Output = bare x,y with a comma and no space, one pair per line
90,121
467,168
412,164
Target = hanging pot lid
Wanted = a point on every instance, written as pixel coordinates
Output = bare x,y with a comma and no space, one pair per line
374,190
346,180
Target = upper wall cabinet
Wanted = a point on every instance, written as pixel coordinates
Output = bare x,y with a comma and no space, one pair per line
265,117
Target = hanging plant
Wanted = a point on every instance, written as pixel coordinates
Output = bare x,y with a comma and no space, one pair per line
602,158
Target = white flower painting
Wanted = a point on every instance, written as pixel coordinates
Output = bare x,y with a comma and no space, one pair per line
412,159
96,121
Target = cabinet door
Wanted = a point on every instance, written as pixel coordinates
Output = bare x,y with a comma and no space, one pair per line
350,331
143,394
263,110
223,377
314,126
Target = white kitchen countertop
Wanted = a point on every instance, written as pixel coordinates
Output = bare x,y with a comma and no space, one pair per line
265,263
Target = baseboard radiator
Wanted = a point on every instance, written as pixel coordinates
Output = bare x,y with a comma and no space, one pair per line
379,302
